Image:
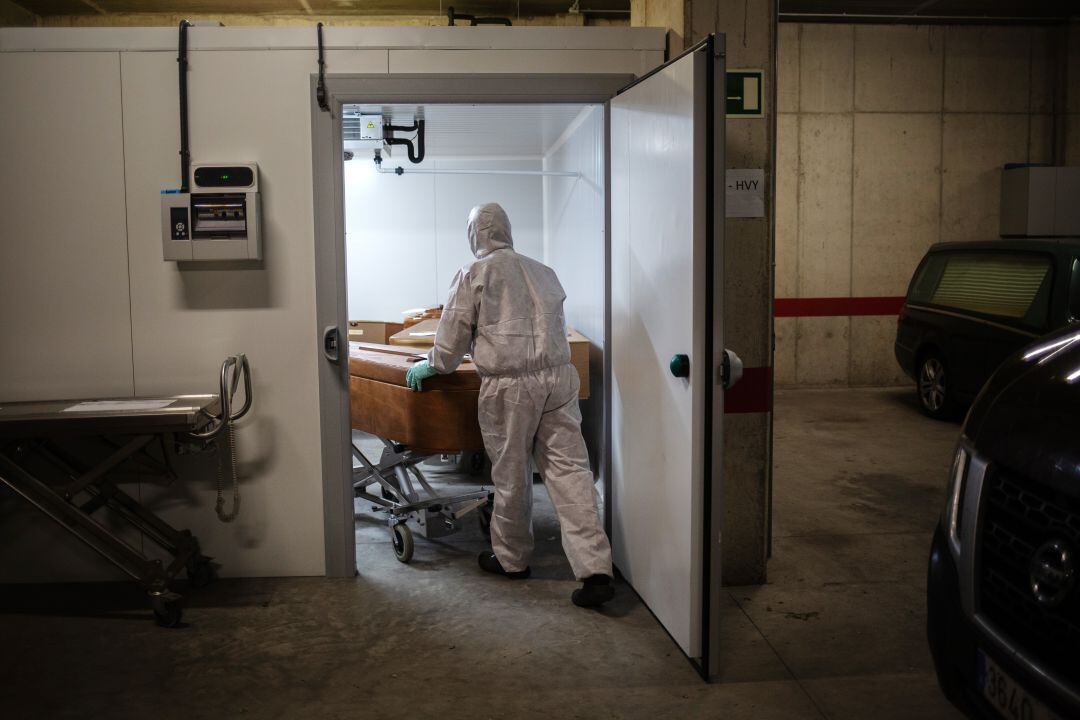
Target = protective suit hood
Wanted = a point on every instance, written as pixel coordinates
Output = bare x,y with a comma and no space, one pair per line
505,309
488,229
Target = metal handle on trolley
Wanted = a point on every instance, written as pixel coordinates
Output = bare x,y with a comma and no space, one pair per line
231,370
242,368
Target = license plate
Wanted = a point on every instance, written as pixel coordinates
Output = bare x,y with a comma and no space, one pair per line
1007,696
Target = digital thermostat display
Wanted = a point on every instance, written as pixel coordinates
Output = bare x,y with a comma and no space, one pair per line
224,177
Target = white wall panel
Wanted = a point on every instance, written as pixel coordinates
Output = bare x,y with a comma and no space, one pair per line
406,234
187,320
523,61
65,329
455,195
574,247
353,61
63,259
651,39
390,238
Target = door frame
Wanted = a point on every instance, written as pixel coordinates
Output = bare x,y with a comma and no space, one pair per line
331,292
715,215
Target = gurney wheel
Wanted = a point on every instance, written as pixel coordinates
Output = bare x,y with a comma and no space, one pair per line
403,542
201,573
476,462
168,615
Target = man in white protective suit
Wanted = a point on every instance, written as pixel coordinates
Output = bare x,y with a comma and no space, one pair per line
507,311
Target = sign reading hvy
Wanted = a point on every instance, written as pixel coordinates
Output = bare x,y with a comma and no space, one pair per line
745,196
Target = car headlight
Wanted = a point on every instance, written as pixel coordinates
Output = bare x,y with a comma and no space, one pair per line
955,496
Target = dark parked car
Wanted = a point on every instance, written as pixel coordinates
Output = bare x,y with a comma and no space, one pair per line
1003,606
971,305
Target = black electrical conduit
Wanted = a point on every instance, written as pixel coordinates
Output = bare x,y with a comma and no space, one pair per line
185,150
416,154
320,89
473,20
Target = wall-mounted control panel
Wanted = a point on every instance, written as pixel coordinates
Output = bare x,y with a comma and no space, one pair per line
218,219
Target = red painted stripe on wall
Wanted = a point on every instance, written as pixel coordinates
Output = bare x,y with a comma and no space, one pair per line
752,394
837,306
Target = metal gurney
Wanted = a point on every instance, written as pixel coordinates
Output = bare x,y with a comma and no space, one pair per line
407,497
66,458
412,427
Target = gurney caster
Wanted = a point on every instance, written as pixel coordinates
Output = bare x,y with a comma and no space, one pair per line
167,610
403,542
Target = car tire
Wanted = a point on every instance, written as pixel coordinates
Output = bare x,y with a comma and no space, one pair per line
932,386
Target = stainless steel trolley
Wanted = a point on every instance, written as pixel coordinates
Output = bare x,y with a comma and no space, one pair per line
66,458
409,500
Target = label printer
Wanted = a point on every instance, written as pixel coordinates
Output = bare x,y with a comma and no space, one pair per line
218,219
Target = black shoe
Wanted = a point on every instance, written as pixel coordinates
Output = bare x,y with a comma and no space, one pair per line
490,563
594,592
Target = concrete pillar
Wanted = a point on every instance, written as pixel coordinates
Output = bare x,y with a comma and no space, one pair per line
750,30
671,14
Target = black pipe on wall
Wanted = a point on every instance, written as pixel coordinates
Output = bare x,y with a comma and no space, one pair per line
473,20
320,88
185,151
416,153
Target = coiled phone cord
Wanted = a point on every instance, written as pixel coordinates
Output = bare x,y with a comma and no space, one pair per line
231,371
219,507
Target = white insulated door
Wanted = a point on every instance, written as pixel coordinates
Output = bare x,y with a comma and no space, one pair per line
662,306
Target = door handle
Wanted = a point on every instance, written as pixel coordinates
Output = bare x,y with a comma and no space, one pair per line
680,366
731,369
330,343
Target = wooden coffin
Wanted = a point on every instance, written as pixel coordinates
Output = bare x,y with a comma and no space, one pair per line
373,331
440,419
422,336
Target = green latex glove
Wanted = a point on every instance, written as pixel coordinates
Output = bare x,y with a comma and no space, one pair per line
418,373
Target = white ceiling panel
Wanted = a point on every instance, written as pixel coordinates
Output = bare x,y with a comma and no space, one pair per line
479,130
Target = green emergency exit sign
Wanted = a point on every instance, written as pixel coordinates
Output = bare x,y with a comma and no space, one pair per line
745,93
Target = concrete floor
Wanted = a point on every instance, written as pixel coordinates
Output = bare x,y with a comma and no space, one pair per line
837,632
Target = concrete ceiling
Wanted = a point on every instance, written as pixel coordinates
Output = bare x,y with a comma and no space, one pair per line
998,11
792,10
503,8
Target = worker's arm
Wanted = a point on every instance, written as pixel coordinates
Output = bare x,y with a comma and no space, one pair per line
454,336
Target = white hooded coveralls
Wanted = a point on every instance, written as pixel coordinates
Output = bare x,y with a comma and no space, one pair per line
507,310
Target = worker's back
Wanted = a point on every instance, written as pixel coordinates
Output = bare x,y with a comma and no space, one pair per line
519,314
506,309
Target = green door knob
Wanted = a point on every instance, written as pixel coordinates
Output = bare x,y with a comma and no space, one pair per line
680,366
